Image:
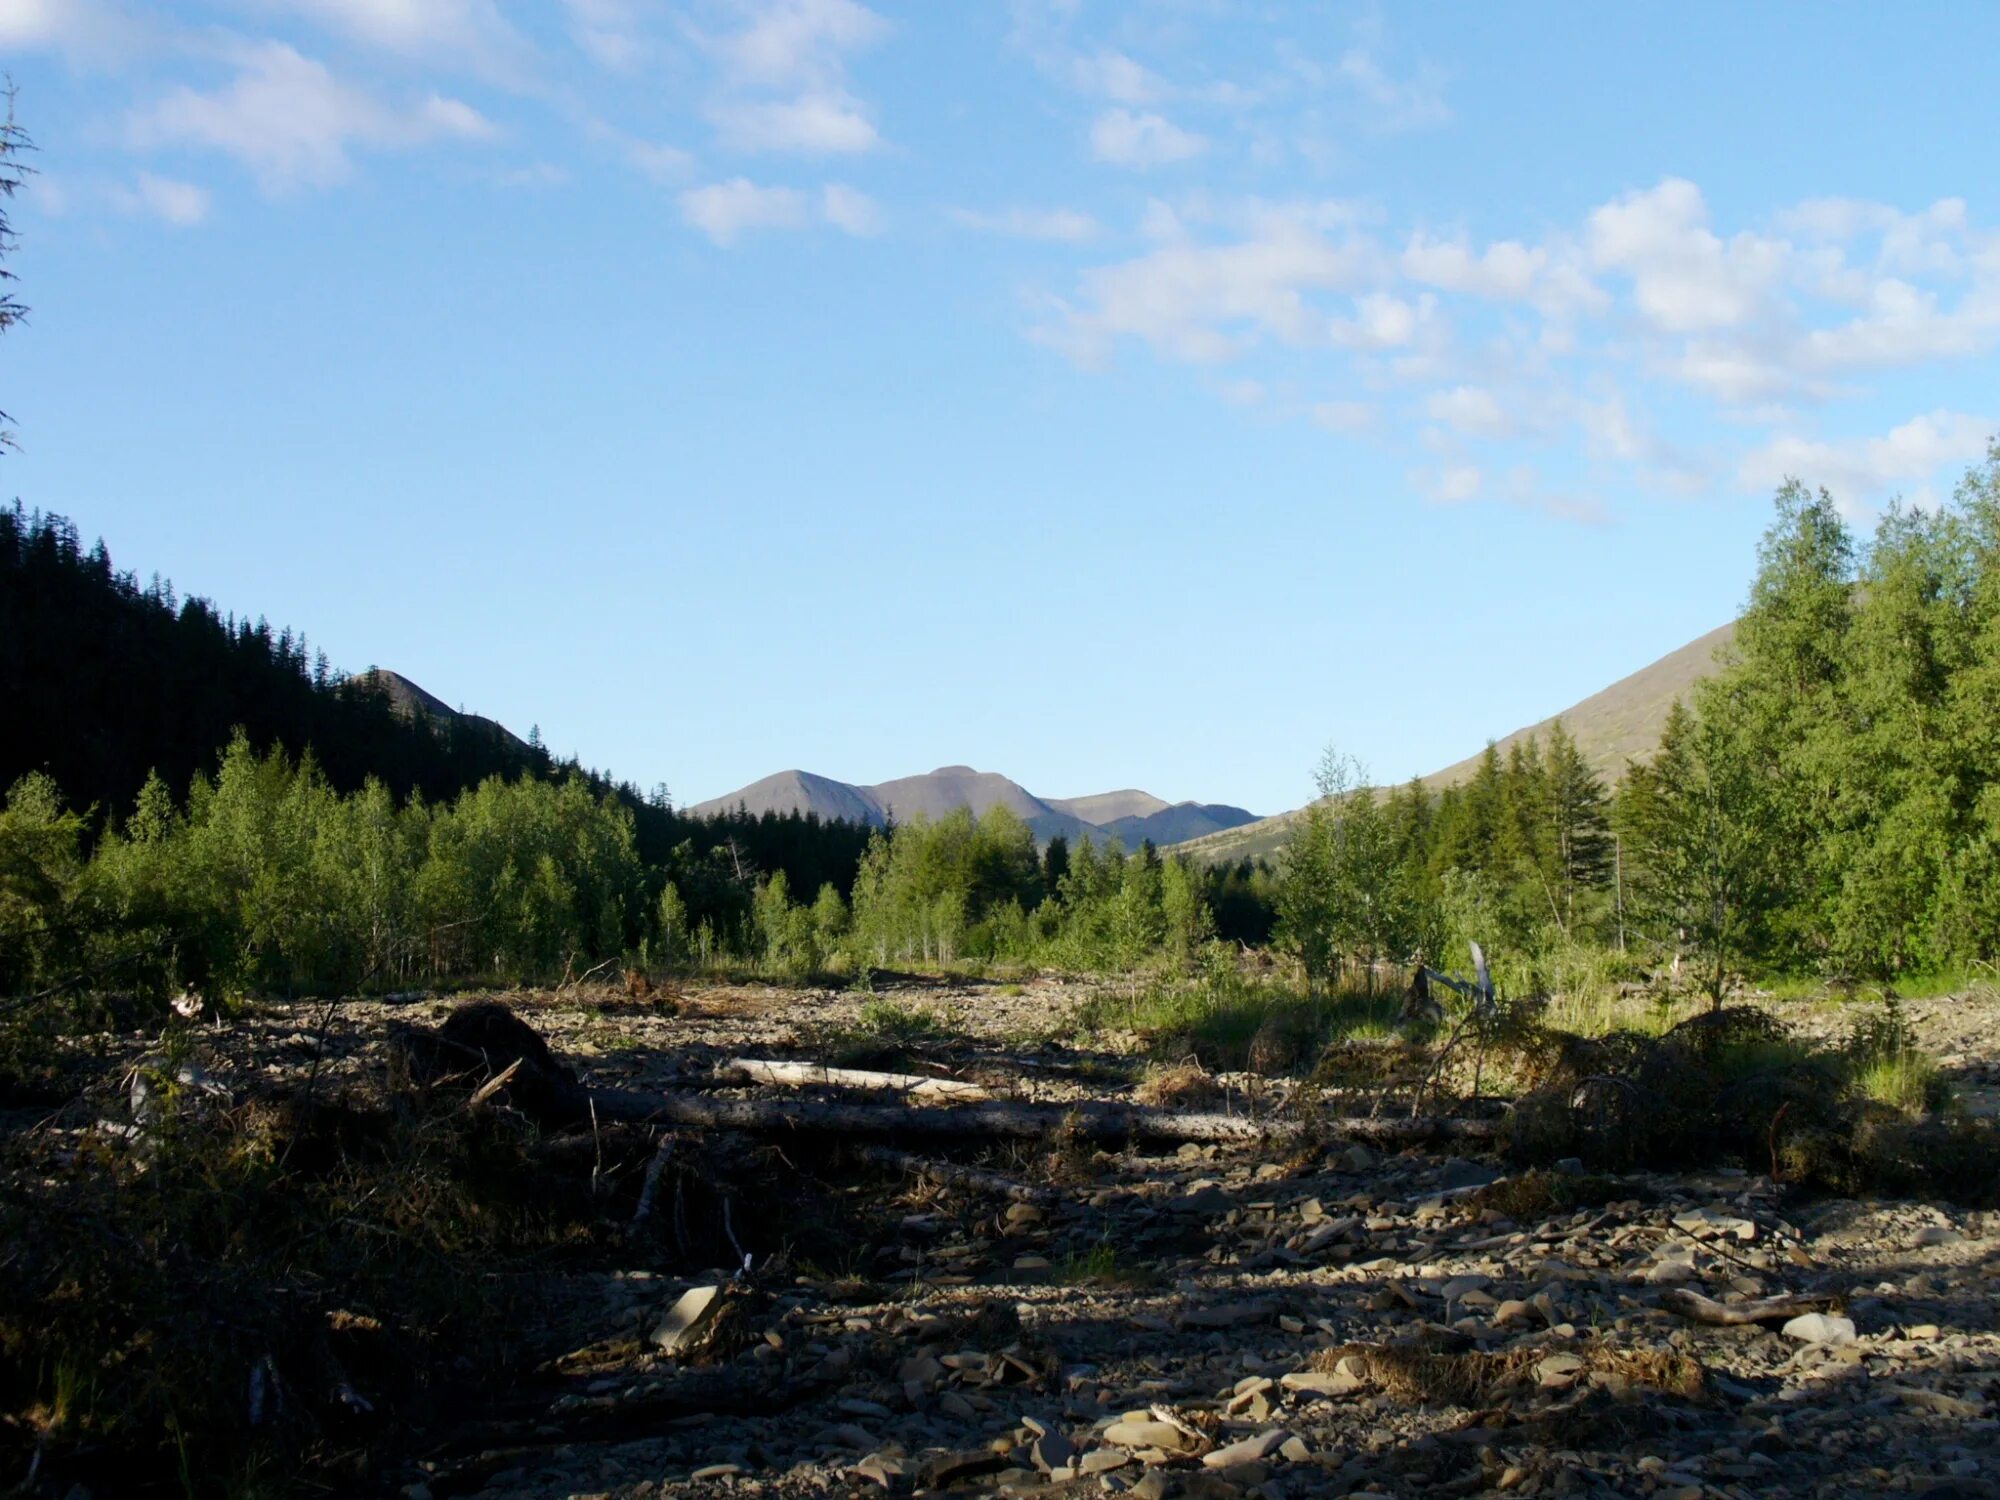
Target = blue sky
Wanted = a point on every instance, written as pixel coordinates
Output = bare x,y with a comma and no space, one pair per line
1106,394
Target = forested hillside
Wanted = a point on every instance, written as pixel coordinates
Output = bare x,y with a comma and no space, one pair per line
103,680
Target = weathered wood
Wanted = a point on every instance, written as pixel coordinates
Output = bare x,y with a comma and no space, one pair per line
813,1075
1696,1308
1013,1119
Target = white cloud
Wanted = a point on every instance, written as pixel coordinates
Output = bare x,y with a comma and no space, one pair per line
608,32
822,124
658,160
725,210
1455,484
1904,325
1469,409
1861,473
785,73
1063,225
1116,77
1125,139
181,204
1506,269
1395,104
849,210
289,120
89,31
1205,302
471,33
798,43
1383,321
1685,279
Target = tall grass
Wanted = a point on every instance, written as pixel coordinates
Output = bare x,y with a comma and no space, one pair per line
1223,1018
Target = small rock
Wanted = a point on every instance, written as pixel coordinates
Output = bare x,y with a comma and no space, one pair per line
1052,1452
1820,1328
1104,1460
688,1319
882,1469
1147,1434
1249,1450
1558,1371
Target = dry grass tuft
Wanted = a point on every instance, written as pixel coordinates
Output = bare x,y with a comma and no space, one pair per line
1181,1085
1474,1378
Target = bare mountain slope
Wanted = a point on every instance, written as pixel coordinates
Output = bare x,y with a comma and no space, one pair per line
1109,807
412,702
1611,728
1129,816
800,792
1178,823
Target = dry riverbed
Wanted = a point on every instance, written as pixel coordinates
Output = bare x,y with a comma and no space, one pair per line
1206,1321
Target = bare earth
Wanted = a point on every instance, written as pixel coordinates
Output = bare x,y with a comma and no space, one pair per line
1209,1323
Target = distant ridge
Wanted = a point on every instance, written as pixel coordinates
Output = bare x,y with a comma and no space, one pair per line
412,702
1130,816
1620,724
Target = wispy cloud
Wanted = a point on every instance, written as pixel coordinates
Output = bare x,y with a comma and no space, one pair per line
1864,473
292,122
726,211
785,83
1125,139
1063,225
820,124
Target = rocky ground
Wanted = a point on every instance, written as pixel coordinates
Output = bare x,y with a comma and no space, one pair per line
1207,1321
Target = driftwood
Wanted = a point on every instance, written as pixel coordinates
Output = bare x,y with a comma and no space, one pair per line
813,1075
1699,1309
479,1043
1013,1119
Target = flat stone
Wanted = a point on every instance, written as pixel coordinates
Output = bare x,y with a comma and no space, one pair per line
1820,1328
688,1319
1052,1452
1148,1434
1104,1460
1249,1450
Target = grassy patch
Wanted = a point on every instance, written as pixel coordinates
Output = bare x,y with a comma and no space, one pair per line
1099,1266
885,1035
1230,1022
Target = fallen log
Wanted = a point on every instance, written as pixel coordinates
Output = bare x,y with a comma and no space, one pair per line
1699,1309
748,1070
1094,1121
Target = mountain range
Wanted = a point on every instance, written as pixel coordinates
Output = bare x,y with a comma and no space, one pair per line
1129,816
1612,728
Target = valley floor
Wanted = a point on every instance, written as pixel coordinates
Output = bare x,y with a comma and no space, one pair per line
1211,1321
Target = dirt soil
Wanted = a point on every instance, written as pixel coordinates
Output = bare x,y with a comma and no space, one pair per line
1212,1321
